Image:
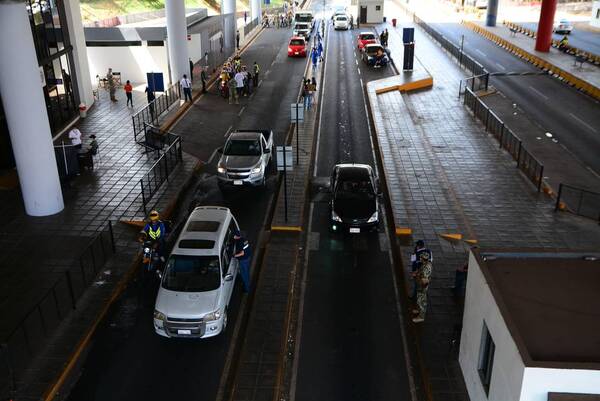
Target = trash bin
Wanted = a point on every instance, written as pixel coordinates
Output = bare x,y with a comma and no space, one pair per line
394,22
82,110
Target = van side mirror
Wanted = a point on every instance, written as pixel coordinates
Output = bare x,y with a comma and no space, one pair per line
220,150
229,277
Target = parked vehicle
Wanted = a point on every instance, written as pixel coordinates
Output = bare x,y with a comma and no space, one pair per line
375,55
341,22
245,158
297,47
354,202
199,277
563,26
303,29
364,38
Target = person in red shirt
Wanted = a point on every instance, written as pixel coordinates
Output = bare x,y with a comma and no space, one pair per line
128,92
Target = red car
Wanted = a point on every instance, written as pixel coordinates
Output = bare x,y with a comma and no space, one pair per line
365,38
297,47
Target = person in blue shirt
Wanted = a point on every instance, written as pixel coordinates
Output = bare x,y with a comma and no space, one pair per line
243,253
320,50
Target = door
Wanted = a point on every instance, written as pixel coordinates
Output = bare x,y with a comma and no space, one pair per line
228,265
363,14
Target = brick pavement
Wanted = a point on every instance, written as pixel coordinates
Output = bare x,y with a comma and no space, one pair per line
445,175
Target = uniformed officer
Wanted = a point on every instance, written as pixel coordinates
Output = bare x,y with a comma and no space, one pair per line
243,253
156,231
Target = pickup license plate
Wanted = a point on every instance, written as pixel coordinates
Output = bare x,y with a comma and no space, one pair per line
354,230
184,332
238,182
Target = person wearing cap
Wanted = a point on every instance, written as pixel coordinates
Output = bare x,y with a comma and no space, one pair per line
423,278
415,261
93,145
243,253
156,231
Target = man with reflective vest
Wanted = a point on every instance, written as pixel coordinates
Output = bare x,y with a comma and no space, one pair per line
155,231
243,253
256,69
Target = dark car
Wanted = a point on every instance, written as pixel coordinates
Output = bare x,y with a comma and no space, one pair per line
354,198
375,55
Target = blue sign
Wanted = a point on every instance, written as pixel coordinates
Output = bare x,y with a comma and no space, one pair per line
155,81
267,2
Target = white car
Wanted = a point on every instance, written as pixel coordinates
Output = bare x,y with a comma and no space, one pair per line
302,29
562,26
481,4
199,276
341,22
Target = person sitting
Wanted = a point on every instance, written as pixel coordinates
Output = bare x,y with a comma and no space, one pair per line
564,44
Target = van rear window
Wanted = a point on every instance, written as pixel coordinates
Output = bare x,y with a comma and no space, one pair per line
196,244
203,226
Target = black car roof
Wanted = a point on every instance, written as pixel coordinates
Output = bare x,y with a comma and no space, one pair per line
348,173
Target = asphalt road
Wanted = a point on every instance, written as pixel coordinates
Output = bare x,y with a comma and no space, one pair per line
569,115
584,40
127,360
350,344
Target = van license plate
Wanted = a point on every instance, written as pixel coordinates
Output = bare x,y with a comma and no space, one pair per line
355,230
186,332
238,182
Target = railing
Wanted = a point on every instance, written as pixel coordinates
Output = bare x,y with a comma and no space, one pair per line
152,111
579,201
33,331
161,169
526,162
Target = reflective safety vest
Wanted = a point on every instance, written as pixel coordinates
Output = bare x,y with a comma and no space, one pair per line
156,232
256,68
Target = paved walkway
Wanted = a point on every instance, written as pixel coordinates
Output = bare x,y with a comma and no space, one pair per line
444,175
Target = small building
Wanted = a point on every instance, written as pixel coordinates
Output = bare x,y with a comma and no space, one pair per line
370,11
595,17
531,326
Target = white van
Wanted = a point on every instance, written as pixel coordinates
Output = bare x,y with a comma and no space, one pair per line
198,279
305,16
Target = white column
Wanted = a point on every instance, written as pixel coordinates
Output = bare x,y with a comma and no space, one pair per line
80,57
25,108
177,39
256,10
229,23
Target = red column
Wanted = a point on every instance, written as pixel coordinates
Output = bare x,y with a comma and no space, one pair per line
544,31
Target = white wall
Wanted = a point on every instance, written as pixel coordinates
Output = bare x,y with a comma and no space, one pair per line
595,18
374,16
508,367
195,47
132,62
537,382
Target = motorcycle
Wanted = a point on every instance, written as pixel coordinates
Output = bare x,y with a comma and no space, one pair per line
150,259
224,89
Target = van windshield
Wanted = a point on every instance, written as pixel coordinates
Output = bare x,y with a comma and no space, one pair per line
192,273
304,17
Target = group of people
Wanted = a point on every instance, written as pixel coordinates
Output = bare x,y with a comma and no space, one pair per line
383,38
279,20
309,87
237,80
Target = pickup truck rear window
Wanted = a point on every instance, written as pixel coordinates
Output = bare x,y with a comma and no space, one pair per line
245,147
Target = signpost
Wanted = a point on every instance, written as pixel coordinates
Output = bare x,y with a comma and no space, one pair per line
285,162
297,115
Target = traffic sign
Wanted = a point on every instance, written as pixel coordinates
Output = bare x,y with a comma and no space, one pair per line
297,112
285,162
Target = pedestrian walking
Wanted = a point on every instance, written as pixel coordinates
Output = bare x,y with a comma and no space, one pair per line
307,94
75,137
315,58
239,85
93,145
231,85
237,39
386,36
128,93
206,59
203,78
110,82
313,90
415,260
460,279
382,38
256,69
246,81
243,254
423,280
186,85
320,51
150,97
351,22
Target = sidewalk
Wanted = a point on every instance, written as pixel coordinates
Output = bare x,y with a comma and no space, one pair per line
37,251
445,176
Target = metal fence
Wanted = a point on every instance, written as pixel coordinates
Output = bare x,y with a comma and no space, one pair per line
30,335
508,140
162,168
153,110
579,201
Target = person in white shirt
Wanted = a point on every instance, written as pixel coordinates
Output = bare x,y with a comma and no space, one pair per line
75,137
239,85
186,85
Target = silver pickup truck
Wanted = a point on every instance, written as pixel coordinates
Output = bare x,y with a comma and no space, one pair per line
245,158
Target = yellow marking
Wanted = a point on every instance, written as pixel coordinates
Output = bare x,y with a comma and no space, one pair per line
403,231
286,228
451,237
471,241
407,87
134,223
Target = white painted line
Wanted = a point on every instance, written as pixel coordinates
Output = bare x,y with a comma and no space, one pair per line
501,66
321,106
480,52
538,92
356,61
361,83
583,122
241,111
358,68
259,83
212,156
228,129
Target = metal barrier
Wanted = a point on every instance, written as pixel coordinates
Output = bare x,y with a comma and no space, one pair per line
526,162
161,169
30,335
579,201
152,111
